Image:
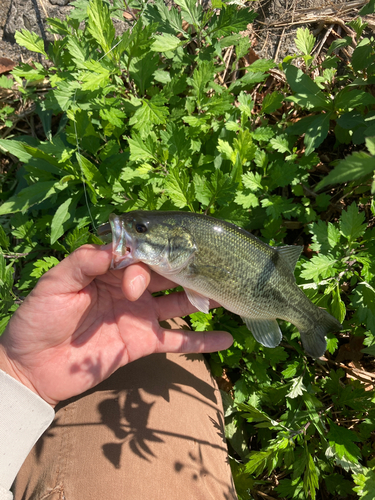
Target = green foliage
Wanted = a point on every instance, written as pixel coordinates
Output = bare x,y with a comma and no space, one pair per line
153,119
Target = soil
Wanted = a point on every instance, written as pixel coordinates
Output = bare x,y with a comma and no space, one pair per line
272,33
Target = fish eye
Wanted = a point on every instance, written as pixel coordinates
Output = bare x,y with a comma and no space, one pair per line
140,228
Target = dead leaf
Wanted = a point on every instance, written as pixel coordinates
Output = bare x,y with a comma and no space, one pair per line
6,65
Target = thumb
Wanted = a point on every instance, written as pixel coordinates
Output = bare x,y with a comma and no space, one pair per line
77,270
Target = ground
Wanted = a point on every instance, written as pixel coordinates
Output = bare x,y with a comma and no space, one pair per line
272,33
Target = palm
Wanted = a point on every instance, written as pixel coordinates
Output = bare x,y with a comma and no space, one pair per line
69,338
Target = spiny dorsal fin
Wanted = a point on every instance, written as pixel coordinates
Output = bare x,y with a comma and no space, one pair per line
290,253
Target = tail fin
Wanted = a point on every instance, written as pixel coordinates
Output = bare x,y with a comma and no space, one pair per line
314,339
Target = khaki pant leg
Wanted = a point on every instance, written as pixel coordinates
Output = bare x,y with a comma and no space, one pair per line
154,430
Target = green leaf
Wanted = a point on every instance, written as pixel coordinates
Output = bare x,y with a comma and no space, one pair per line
365,480
252,181
152,112
114,116
31,41
245,103
203,74
310,478
369,8
168,21
351,223
353,167
303,85
100,25
6,83
4,240
141,150
272,102
363,55
93,175
338,308
29,196
342,442
61,215
165,42
370,144
191,11
297,388
325,236
304,41
41,266
179,188
315,128
280,144
278,205
363,302
231,20
319,267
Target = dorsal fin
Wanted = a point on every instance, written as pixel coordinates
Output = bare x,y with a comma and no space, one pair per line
291,254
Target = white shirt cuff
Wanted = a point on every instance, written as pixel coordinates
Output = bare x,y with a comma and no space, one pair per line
24,416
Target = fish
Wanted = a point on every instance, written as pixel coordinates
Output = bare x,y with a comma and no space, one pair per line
214,259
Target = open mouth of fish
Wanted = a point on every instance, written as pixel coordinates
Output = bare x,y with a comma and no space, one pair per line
122,248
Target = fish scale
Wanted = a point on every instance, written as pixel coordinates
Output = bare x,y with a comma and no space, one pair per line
214,259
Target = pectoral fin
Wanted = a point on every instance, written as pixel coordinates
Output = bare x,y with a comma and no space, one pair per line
198,301
266,331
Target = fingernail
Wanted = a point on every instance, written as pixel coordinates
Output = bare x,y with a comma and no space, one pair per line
137,286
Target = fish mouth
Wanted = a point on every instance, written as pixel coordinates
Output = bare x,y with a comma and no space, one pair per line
122,247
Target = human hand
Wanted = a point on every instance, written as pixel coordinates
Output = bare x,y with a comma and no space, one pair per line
83,321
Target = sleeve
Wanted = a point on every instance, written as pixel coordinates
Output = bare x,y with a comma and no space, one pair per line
24,416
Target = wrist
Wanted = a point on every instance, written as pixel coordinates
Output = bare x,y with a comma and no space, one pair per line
8,366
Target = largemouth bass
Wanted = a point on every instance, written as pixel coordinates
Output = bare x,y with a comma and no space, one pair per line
213,259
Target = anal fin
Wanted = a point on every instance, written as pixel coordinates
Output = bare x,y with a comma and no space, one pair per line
199,301
266,331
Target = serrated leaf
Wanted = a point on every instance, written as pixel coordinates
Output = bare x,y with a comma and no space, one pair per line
41,266
365,481
278,205
141,150
310,478
297,388
168,21
31,41
6,83
231,20
342,442
225,149
114,115
245,103
165,42
319,267
100,25
191,11
304,41
178,188
351,223
246,201
353,167
152,112
252,181
325,236
280,144
203,74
